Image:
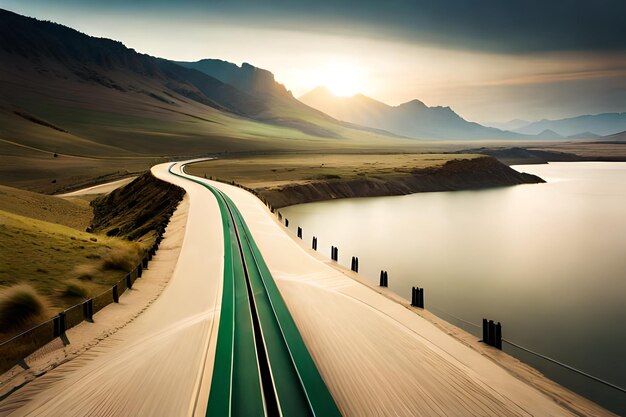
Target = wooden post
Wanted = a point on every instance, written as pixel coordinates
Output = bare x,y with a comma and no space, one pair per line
299,232
58,324
139,271
88,309
498,336
144,262
382,278
485,331
129,281
413,297
286,222
492,333
421,298
356,264
116,295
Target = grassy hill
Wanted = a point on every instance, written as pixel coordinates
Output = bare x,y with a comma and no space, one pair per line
68,93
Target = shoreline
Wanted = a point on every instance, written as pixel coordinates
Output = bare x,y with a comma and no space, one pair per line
346,177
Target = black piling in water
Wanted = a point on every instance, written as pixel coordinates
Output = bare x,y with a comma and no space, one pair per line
492,333
498,336
421,298
355,264
336,254
299,232
286,222
116,295
414,296
485,331
417,297
314,243
384,282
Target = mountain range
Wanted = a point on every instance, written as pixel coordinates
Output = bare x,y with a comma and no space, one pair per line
64,91
412,119
587,125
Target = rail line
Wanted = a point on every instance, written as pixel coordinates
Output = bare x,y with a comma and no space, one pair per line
262,366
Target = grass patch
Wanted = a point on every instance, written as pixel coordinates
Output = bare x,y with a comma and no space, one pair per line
75,289
121,259
20,306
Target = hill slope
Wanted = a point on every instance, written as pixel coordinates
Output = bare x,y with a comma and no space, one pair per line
64,91
413,119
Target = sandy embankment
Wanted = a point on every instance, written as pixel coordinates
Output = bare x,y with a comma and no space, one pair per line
99,189
156,365
378,357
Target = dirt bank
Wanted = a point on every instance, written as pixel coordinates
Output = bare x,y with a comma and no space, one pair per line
462,174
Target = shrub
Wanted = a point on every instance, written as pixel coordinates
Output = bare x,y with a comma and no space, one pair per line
20,305
75,289
123,260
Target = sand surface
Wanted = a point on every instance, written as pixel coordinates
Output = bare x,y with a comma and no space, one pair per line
377,356
99,189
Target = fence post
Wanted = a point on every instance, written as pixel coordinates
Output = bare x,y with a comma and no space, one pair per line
386,279
88,309
299,232
336,254
129,282
116,295
382,278
356,264
421,298
139,271
59,324
413,297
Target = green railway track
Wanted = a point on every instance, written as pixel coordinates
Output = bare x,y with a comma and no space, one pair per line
262,366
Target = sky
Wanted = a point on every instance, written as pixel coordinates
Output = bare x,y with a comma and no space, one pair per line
490,60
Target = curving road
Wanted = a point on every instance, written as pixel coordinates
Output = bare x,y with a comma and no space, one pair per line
228,338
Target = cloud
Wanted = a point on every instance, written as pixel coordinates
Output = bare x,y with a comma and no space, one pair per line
513,26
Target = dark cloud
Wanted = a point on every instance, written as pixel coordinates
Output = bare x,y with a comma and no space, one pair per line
520,26
491,25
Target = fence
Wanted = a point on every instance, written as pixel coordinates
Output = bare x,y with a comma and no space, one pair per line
15,349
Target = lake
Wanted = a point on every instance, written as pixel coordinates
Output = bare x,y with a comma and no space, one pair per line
546,260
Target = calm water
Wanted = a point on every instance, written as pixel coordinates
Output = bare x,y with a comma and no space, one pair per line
546,260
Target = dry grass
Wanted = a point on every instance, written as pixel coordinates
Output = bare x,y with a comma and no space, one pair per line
46,256
20,306
122,259
75,289
269,171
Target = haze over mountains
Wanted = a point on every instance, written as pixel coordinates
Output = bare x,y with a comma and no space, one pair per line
599,125
413,119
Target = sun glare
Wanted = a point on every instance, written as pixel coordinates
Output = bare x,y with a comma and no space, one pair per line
342,79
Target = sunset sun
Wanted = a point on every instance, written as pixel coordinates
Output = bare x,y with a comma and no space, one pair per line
342,79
